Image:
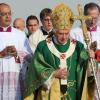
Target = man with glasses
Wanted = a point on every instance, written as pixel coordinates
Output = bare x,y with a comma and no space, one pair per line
46,21
14,50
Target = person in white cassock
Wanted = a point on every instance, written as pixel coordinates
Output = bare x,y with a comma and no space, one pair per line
93,10
14,50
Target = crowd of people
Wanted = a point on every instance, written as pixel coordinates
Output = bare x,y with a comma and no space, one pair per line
52,61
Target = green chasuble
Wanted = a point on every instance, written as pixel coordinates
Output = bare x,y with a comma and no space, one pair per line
44,63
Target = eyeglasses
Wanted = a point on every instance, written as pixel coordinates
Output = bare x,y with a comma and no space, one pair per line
5,14
47,20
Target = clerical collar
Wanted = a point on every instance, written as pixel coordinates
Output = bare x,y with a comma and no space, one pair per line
92,29
46,30
55,40
5,29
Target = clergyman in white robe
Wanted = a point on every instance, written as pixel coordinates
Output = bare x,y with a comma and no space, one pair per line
94,35
11,72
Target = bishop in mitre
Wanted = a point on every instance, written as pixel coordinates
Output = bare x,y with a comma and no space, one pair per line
58,68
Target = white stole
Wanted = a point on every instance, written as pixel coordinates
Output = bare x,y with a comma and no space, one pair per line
61,56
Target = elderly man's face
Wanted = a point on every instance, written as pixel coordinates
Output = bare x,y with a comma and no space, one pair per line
5,15
62,35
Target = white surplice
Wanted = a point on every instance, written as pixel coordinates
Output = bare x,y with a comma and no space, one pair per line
77,34
11,84
35,38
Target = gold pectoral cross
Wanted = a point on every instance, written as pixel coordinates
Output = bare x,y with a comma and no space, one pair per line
83,19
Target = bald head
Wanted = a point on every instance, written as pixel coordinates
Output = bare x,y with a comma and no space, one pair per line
4,4
19,23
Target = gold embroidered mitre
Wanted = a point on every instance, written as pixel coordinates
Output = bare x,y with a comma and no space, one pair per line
62,17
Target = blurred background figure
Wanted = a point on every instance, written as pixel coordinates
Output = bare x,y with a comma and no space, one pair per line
19,23
32,24
35,35
47,26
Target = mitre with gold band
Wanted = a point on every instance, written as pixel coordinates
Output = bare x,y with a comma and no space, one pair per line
62,17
